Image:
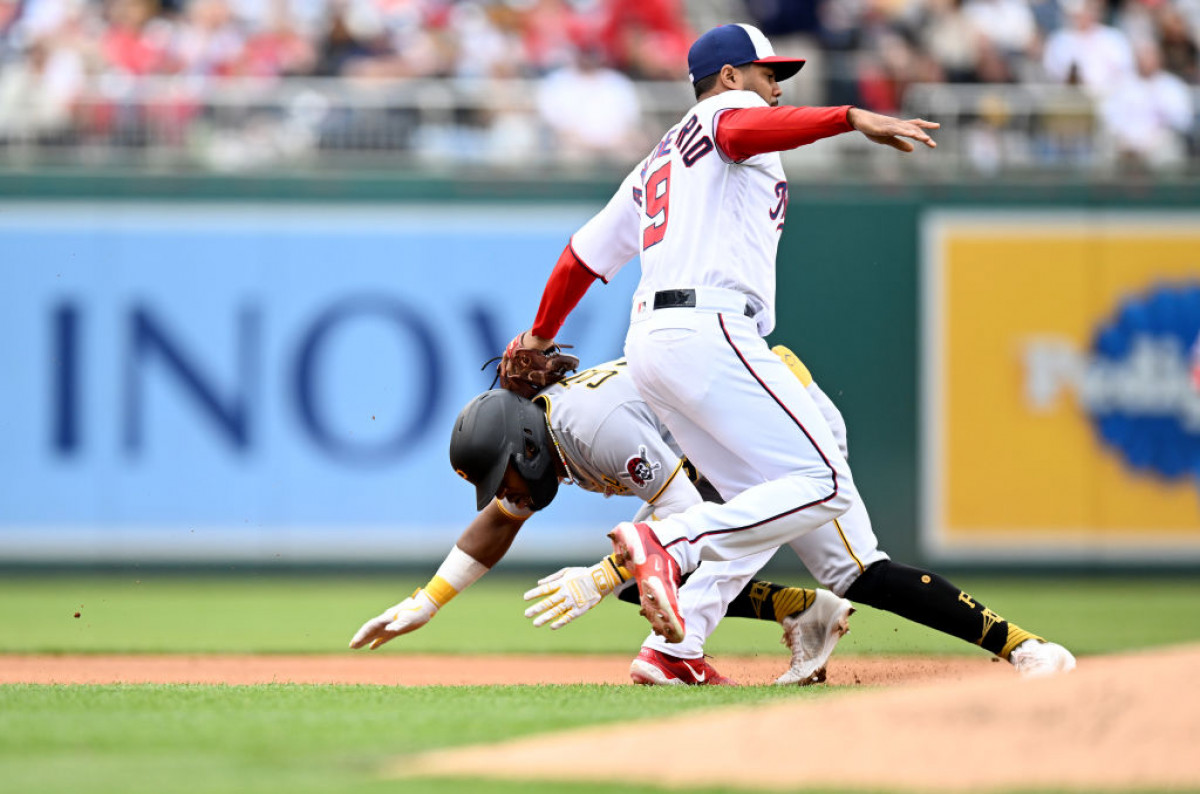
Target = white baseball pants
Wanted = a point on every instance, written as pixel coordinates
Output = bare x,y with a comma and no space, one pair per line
743,419
834,553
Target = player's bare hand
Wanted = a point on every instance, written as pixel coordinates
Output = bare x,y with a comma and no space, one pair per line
409,615
565,595
889,131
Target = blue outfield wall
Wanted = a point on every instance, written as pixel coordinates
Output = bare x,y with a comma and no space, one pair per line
215,370
194,383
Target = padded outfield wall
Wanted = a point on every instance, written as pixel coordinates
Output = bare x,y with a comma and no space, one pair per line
205,370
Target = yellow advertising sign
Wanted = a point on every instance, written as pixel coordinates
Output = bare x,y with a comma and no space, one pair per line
1058,416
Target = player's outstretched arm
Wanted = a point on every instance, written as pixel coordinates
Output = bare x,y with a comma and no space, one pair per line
571,592
409,615
482,544
893,132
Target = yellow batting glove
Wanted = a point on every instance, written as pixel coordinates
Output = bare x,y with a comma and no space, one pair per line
409,615
571,592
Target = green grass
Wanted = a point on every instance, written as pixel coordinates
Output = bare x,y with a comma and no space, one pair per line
283,738
163,613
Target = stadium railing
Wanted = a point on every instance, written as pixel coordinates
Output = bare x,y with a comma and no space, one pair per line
168,124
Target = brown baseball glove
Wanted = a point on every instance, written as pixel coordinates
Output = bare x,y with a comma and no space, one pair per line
527,370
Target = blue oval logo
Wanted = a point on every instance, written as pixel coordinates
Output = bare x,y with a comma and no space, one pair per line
1138,387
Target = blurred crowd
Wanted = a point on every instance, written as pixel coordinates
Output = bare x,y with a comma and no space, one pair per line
375,38
1136,59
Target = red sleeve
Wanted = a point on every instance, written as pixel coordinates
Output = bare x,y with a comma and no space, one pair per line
745,132
566,286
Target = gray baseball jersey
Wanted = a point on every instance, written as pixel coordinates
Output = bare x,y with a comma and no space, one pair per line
615,445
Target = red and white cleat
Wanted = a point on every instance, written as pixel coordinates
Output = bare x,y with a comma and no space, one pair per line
657,575
654,668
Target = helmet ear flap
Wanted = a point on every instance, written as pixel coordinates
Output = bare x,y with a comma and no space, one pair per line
536,465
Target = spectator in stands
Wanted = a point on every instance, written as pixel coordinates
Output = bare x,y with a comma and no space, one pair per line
967,47
277,45
646,39
38,92
1007,24
895,64
350,43
1007,29
1149,114
794,31
136,41
1086,51
487,40
950,39
306,17
1181,55
1135,18
10,45
37,19
208,42
1048,14
416,38
592,110
552,31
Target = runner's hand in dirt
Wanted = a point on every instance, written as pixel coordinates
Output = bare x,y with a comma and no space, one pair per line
409,615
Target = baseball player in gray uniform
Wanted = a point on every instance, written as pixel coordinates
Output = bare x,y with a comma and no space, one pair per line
603,437
594,431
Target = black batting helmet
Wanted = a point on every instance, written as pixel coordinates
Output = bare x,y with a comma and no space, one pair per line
495,429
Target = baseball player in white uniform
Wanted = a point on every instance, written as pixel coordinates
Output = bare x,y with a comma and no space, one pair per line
704,211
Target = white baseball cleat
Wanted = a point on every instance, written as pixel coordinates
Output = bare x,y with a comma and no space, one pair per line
1038,658
812,636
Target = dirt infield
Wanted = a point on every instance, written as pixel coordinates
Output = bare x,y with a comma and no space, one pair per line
953,724
422,670
1123,722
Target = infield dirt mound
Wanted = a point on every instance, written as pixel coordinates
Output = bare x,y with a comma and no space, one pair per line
400,669
1117,723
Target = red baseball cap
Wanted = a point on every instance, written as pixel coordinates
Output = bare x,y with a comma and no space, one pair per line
736,45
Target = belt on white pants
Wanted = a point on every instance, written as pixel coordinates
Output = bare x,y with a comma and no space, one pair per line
715,299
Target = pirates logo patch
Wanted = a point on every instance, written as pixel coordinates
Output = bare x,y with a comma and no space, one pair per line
641,469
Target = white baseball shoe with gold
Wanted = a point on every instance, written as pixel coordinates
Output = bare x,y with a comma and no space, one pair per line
1037,658
812,635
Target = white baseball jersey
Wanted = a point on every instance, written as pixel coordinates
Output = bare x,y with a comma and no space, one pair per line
615,445
696,218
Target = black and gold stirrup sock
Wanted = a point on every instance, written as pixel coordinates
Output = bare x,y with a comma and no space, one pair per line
926,598
757,601
769,601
